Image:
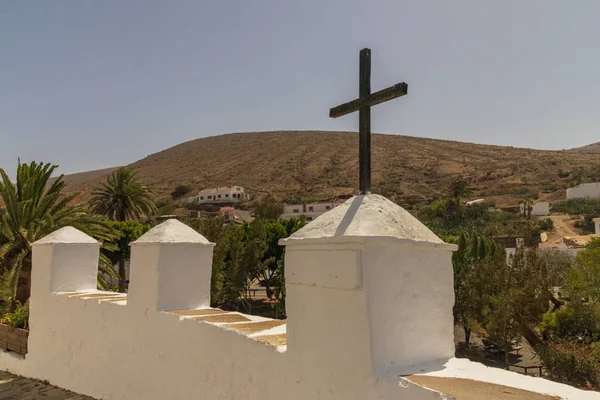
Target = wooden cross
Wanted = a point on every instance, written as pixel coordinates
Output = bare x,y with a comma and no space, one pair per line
363,105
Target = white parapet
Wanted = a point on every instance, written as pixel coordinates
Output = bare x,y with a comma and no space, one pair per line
170,268
369,301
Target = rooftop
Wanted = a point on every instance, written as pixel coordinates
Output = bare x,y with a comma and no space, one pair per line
367,215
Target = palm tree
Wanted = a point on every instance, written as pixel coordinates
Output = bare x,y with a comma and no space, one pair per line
34,208
459,188
122,198
528,207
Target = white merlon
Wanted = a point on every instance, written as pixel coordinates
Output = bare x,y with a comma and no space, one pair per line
393,288
171,266
70,259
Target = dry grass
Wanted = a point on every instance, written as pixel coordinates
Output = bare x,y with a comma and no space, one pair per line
314,165
222,318
254,327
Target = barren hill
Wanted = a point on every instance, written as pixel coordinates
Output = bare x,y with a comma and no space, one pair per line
85,177
316,165
590,148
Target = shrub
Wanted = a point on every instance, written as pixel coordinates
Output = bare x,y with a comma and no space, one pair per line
587,225
570,363
180,191
577,323
546,224
18,319
578,207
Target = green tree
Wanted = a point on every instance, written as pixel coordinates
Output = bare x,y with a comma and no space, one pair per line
268,208
471,280
129,231
583,279
215,230
459,189
246,247
34,207
528,207
180,191
518,298
122,198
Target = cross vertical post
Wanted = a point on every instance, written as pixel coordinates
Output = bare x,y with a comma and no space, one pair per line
364,117
363,105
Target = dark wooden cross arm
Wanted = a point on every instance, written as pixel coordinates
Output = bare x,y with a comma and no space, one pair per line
382,96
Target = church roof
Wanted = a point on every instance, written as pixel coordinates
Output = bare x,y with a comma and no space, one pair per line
367,215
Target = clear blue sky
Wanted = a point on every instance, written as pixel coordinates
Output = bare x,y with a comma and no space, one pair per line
91,84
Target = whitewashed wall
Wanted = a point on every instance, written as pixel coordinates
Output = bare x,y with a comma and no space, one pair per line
363,308
585,190
541,208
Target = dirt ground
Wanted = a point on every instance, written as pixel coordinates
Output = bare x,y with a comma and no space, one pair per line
14,387
564,225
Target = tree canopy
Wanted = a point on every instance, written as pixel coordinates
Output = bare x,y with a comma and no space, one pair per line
34,207
122,197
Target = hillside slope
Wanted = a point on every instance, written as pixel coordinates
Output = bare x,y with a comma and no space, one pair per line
85,177
590,148
316,165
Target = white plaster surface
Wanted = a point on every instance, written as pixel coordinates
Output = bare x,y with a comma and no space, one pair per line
342,343
367,215
171,231
68,234
540,208
585,190
462,368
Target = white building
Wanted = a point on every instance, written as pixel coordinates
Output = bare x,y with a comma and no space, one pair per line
584,191
225,194
309,210
541,208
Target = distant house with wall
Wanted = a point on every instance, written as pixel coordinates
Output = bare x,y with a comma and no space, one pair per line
510,244
584,191
230,214
566,247
309,210
597,226
225,194
541,208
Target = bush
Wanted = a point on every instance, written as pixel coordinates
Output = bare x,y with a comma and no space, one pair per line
577,207
571,364
180,191
546,224
18,319
577,323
